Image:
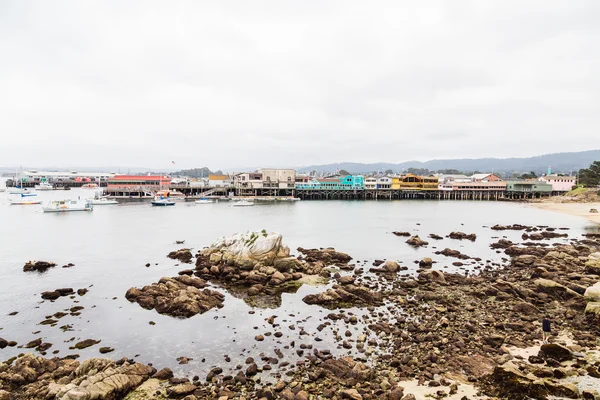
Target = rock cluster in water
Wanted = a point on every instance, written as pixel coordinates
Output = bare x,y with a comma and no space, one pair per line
39,266
432,326
182,296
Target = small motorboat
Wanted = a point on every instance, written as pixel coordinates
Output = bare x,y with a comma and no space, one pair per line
25,200
90,186
204,201
103,201
44,186
18,190
162,202
242,203
68,205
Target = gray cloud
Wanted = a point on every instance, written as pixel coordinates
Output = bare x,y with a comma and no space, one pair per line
237,83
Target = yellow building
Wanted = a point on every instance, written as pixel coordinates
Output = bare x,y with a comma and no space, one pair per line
414,182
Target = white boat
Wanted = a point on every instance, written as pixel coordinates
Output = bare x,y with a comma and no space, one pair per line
68,205
162,202
25,200
2,190
103,201
204,201
242,203
18,190
44,186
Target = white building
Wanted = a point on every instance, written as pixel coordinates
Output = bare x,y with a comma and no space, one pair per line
371,182
278,178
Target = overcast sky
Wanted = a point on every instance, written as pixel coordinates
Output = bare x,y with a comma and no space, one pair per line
291,83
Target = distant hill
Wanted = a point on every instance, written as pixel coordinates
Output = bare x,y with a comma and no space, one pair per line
195,172
560,162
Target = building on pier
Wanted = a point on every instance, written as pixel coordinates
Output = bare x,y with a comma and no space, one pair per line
559,183
528,189
348,182
215,180
415,182
371,183
278,178
143,182
485,178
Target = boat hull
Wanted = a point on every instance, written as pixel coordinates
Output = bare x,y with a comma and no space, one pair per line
161,204
25,203
54,210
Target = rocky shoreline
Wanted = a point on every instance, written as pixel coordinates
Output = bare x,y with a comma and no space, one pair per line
439,329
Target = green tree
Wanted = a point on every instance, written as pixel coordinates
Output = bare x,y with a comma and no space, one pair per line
590,176
389,172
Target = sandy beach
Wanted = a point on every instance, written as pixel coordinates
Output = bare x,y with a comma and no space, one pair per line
579,209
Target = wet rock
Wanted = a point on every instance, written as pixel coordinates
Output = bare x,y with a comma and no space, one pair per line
388,267
432,276
252,370
178,296
453,253
3,343
163,374
435,237
416,241
351,394
181,390
328,256
39,266
407,234
84,344
426,262
502,244
53,295
345,296
555,351
345,280
104,350
461,235
82,292
183,255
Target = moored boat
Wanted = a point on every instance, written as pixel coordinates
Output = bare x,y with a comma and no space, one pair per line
26,199
204,201
242,203
103,201
68,205
90,186
44,186
162,202
18,190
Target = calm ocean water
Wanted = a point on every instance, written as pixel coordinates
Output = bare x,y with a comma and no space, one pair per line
111,245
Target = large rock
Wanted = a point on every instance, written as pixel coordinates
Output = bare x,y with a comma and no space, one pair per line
432,276
179,296
555,289
183,255
556,352
39,266
416,241
592,293
250,248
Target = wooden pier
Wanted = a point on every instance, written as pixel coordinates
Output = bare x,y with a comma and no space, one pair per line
324,194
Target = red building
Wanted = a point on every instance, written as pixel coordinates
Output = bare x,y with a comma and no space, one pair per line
147,182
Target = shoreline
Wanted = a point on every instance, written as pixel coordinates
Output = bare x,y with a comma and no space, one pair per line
576,209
